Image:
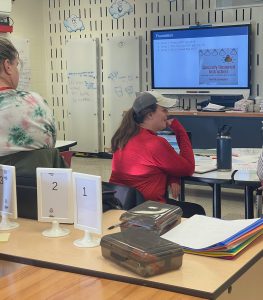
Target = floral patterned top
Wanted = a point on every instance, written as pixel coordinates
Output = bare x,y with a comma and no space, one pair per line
26,122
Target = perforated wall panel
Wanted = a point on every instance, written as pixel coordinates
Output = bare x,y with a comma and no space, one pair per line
145,15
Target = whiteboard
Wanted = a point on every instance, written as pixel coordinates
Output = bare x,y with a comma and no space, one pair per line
22,46
83,95
122,79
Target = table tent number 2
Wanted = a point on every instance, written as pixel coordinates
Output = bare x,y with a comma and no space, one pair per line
54,199
8,200
87,194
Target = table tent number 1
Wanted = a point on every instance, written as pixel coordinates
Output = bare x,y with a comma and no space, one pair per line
8,201
87,194
54,199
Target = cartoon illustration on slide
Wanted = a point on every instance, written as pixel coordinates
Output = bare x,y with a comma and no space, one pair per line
214,52
228,58
73,23
222,52
120,8
218,66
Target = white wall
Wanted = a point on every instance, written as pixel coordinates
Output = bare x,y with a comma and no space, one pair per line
28,23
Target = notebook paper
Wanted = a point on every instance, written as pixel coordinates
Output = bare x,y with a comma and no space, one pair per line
201,232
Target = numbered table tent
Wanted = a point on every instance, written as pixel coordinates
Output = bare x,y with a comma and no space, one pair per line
8,200
87,194
54,198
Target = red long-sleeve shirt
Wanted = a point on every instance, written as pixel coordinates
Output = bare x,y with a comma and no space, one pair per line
148,162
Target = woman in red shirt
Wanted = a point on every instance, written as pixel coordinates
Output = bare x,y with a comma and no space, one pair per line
146,161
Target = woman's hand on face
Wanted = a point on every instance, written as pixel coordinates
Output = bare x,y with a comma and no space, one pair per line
169,122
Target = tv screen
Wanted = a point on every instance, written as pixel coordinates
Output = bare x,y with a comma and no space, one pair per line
201,58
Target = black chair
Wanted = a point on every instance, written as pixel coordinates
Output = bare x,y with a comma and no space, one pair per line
126,197
26,163
113,196
189,209
26,201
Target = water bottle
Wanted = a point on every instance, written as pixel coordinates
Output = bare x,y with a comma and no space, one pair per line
224,149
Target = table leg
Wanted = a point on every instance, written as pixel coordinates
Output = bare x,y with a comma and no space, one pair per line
182,192
249,208
216,200
259,203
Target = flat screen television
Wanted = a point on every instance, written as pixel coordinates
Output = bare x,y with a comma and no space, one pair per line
206,59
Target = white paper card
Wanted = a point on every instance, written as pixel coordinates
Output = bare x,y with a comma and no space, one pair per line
54,195
199,232
8,202
87,193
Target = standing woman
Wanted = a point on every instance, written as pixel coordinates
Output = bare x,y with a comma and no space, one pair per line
145,161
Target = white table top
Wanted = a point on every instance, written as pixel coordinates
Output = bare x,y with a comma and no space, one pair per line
244,160
61,143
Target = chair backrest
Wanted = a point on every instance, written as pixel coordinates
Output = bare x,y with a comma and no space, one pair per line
26,201
26,164
126,196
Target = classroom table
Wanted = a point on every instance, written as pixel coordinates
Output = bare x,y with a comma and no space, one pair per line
214,179
199,276
249,179
31,282
218,178
65,145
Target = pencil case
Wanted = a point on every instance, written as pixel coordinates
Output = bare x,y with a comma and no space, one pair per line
152,215
142,251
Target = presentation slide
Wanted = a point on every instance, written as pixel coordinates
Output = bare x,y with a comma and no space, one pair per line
214,57
218,66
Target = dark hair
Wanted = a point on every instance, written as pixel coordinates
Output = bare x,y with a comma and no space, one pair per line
7,51
130,127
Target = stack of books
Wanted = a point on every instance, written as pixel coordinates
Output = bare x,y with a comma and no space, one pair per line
214,237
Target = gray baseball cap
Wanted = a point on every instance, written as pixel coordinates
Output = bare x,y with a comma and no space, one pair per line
148,98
